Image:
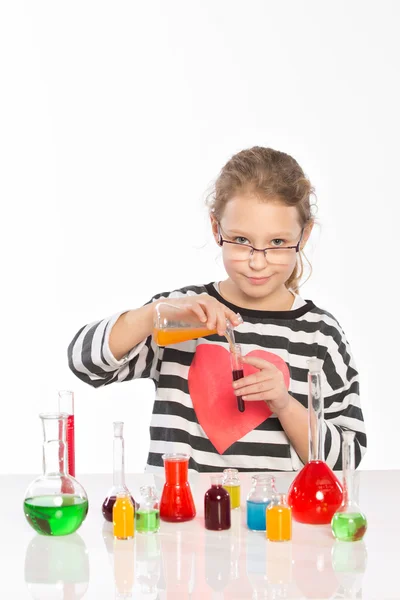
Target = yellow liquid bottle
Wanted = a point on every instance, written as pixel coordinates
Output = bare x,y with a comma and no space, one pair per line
123,517
231,483
279,520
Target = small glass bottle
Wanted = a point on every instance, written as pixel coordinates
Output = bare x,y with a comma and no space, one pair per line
217,506
148,511
119,486
259,497
231,483
177,502
279,520
55,503
316,493
349,524
123,517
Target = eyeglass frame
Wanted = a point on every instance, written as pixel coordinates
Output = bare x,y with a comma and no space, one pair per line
221,241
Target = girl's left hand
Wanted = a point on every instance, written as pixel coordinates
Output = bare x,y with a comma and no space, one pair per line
268,385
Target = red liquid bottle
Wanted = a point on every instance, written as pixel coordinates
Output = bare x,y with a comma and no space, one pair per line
316,492
217,506
176,500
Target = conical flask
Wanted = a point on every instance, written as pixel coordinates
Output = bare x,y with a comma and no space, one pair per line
316,493
349,524
119,486
55,503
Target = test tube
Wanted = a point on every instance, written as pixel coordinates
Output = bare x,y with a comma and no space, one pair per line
237,371
66,405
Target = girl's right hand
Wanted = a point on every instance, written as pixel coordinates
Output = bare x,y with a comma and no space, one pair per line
207,309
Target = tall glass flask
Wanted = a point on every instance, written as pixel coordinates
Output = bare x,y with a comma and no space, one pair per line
316,493
66,405
177,502
349,524
48,508
119,486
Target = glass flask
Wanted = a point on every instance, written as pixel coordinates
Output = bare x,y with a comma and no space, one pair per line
316,493
217,506
48,508
57,568
259,497
176,499
119,486
175,324
349,524
148,511
237,371
231,483
66,405
279,519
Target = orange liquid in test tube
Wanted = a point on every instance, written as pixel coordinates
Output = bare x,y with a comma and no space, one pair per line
123,518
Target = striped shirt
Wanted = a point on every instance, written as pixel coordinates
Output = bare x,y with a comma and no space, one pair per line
193,381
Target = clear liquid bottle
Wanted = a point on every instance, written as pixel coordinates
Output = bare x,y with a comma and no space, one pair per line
174,324
55,503
177,502
259,497
217,506
231,483
279,520
148,510
119,485
316,493
349,524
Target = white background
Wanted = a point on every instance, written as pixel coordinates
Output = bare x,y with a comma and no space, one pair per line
115,118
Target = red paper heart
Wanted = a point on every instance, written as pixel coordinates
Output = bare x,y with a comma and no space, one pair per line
215,404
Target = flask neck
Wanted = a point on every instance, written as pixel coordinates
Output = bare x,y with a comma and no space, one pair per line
315,417
349,495
119,462
54,457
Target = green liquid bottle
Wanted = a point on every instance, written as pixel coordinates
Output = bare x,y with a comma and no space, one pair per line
348,523
55,503
147,516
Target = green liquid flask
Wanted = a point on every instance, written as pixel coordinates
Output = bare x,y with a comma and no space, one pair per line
348,524
148,512
55,503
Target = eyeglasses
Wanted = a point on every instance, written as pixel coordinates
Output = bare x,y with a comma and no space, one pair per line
278,255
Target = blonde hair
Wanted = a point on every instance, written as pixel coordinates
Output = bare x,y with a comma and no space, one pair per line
270,175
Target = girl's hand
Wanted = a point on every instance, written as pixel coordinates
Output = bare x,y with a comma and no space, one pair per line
268,385
208,311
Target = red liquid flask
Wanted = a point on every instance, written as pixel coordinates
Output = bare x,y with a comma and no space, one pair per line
217,506
316,492
176,500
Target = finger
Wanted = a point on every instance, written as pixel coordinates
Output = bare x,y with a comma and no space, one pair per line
234,318
259,363
211,317
251,379
221,322
257,388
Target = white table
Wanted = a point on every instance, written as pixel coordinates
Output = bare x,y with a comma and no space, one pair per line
187,561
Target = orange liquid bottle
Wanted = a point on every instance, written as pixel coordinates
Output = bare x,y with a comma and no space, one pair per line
279,520
123,517
176,335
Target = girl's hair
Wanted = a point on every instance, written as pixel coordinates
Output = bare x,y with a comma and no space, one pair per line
270,175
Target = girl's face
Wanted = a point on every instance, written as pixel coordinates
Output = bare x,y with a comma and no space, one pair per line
248,220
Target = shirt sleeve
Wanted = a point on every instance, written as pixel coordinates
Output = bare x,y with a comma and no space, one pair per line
341,392
91,360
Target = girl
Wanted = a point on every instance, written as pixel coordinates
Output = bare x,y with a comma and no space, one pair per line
261,218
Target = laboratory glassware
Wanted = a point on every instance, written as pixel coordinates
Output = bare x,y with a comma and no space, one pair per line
176,499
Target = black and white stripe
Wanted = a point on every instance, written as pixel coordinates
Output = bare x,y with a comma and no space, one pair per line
294,335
